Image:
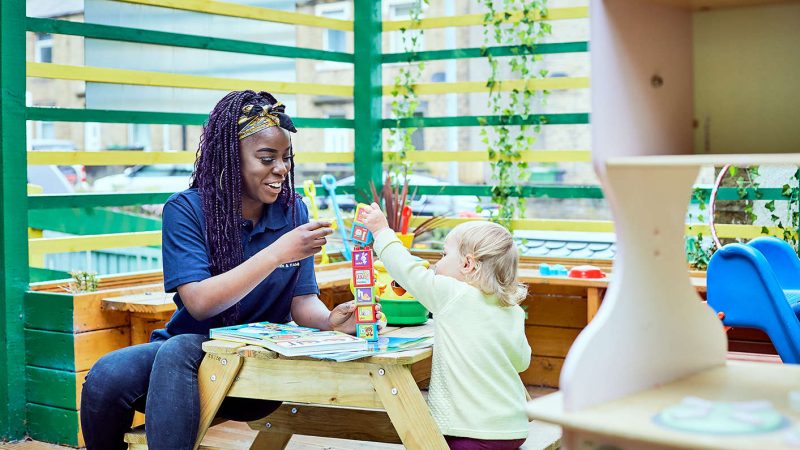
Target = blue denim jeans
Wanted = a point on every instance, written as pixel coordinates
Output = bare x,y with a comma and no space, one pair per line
159,379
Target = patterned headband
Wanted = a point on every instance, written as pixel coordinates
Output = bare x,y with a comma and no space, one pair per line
255,118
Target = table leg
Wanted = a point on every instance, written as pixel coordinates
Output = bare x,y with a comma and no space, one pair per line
214,378
592,303
407,409
139,334
268,440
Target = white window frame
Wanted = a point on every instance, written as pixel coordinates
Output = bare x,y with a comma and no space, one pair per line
336,139
39,44
137,131
396,39
345,13
42,126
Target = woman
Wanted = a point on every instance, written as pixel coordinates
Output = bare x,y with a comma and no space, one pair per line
237,248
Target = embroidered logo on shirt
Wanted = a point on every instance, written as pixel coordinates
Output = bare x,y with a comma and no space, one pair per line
289,265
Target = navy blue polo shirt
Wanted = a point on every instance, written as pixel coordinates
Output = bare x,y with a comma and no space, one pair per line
186,259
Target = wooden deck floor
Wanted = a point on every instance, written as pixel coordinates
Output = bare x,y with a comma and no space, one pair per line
236,435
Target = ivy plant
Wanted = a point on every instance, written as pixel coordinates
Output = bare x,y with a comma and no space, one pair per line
748,191
515,23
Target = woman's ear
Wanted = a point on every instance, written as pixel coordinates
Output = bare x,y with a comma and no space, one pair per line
468,264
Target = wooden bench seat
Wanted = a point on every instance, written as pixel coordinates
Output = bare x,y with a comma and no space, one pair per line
277,429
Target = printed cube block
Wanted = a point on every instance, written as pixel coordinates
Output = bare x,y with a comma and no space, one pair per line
368,331
366,313
365,296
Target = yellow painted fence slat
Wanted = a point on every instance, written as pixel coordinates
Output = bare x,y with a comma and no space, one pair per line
131,157
248,12
94,242
477,19
145,78
111,158
482,156
40,246
466,87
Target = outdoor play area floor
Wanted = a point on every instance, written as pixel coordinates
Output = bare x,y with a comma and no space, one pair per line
237,435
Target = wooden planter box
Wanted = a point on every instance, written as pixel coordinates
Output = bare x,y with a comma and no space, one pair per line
64,335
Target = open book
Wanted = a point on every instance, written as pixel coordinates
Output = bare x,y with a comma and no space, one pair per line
289,340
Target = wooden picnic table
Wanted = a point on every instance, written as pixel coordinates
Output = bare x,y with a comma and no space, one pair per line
374,399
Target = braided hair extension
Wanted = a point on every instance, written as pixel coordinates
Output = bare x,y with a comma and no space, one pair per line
218,179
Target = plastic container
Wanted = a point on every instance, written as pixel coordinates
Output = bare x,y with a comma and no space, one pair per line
586,272
407,239
403,312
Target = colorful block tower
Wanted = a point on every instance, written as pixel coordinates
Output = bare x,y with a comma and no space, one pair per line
364,279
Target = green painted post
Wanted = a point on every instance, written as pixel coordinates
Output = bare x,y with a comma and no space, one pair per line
13,227
367,95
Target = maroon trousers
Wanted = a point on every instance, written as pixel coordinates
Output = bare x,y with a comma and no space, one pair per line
462,443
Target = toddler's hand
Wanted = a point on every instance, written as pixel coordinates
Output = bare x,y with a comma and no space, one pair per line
374,219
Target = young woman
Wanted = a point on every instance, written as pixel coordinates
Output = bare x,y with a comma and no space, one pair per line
237,248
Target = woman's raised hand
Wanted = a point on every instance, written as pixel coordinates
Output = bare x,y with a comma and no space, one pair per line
302,242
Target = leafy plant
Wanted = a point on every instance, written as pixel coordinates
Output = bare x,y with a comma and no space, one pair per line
81,282
506,142
698,250
393,199
748,190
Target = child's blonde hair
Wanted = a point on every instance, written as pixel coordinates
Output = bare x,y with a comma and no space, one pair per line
496,260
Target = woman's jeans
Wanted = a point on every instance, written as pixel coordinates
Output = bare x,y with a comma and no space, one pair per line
159,379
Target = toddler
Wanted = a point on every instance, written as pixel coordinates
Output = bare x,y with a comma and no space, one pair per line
475,395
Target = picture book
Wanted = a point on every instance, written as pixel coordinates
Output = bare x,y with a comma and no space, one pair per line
382,346
289,340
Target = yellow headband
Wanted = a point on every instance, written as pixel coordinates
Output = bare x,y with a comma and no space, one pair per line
252,124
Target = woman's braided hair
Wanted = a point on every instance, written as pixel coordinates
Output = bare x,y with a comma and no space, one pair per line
218,176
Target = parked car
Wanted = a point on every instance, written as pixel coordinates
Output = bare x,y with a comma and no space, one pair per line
156,177
75,174
50,179
421,204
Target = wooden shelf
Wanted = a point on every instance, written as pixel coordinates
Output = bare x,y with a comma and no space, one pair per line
630,418
701,5
789,159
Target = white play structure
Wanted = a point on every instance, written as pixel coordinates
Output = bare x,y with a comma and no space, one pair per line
662,71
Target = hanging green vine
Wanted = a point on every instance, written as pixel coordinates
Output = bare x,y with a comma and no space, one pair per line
698,251
405,100
748,191
505,143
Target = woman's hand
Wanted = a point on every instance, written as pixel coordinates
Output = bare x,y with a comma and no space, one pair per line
300,243
374,219
343,317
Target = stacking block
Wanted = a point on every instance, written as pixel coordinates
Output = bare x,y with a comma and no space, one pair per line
366,313
365,295
360,234
368,331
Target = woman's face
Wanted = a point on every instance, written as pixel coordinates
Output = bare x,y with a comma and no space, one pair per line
266,161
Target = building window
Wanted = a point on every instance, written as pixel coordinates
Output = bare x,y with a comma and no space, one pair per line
139,136
92,136
335,139
43,48
334,40
45,130
401,10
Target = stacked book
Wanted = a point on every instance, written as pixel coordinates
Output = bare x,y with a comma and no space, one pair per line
290,340
294,340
